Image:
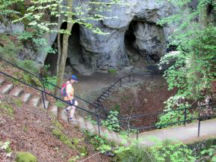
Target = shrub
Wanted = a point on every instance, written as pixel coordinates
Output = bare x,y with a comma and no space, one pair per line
25,157
160,152
9,49
112,71
99,143
50,79
134,153
112,122
63,138
170,152
28,65
7,108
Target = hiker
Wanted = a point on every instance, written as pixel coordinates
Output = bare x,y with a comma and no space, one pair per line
68,93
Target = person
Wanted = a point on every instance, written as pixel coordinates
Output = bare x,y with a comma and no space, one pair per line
69,97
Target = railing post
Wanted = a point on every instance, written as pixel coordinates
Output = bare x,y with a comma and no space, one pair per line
185,116
42,92
199,122
128,126
98,123
137,134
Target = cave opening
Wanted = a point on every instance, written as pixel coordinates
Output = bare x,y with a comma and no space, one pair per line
144,42
74,50
132,50
130,37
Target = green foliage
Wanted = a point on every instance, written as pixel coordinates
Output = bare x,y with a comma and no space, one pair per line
60,104
192,73
57,124
63,138
175,117
112,71
210,153
194,66
18,102
160,152
112,122
89,118
99,143
170,117
73,143
7,109
27,78
134,153
38,19
5,146
116,108
25,157
25,36
9,49
167,151
28,65
50,79
74,159
11,9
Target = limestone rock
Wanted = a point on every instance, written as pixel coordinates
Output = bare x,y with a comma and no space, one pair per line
131,26
102,52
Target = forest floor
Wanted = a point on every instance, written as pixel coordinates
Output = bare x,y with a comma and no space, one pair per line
32,130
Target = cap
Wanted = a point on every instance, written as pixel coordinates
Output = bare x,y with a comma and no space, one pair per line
74,77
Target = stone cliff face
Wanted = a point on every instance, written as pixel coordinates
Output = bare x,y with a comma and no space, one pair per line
135,28
132,29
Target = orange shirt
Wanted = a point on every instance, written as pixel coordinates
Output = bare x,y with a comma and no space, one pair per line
69,91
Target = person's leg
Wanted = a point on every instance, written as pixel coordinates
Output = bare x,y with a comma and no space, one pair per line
68,108
72,110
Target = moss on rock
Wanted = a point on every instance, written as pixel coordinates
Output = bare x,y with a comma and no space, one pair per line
25,157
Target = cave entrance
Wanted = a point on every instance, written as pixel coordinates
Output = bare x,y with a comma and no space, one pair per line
136,59
130,38
144,42
74,51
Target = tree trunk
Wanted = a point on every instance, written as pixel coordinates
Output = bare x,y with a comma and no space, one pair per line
203,17
59,48
64,52
58,61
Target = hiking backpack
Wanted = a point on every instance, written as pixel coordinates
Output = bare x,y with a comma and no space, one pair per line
63,90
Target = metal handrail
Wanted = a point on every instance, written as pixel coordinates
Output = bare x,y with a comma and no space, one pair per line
173,123
42,80
47,93
122,119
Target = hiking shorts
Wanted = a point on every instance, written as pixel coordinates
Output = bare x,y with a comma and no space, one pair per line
72,102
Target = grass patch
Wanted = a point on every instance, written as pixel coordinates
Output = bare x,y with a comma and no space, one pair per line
112,71
18,102
25,157
7,109
60,104
73,143
99,143
63,138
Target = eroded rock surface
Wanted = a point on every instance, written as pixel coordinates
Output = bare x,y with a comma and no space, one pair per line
99,52
132,27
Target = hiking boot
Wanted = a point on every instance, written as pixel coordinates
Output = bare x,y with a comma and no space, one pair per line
66,111
71,120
